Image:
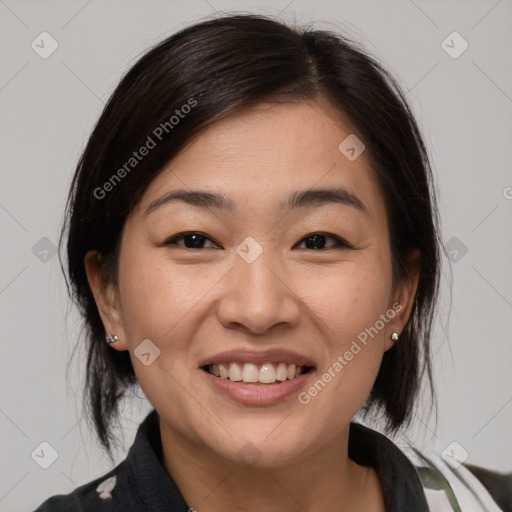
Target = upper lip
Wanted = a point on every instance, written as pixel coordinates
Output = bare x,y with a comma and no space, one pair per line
275,355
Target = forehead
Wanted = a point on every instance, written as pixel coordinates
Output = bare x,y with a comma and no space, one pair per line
262,155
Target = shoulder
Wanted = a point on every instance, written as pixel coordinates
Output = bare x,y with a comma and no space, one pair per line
453,485
94,495
416,476
139,482
499,485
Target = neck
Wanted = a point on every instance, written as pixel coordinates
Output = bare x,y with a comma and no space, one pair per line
325,479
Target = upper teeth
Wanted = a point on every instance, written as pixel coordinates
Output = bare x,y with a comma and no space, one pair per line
266,373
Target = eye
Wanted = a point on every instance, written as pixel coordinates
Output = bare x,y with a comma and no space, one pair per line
316,241
191,240
196,240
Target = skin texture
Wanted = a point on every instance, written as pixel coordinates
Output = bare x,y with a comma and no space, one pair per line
193,303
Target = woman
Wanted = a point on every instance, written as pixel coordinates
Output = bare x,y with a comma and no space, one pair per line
252,240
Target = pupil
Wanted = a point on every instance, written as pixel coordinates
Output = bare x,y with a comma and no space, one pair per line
196,241
317,240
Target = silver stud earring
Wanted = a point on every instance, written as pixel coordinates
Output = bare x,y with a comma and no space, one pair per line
395,336
111,338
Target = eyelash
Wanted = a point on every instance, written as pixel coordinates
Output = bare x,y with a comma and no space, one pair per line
340,243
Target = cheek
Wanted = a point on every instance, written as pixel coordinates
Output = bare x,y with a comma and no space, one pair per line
346,302
348,308
156,302
155,297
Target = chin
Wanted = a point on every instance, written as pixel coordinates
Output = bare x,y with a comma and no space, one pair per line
254,449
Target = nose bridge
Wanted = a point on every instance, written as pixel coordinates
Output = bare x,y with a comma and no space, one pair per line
258,281
257,298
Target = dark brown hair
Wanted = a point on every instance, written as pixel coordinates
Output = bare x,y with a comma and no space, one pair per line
218,67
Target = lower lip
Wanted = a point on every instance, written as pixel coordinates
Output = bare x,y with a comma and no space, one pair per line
253,394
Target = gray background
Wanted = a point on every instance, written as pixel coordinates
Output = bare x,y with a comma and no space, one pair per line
48,108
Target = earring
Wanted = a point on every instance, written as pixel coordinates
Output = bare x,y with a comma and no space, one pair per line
111,338
395,336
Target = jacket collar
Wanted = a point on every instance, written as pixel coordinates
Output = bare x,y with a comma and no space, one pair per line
144,484
399,479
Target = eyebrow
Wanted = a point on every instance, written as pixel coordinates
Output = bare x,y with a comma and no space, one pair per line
300,199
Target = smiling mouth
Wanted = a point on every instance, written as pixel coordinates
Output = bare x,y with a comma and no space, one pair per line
264,374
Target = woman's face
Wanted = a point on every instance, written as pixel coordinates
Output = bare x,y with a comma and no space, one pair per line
257,279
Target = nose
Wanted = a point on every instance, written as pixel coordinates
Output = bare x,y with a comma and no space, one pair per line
258,297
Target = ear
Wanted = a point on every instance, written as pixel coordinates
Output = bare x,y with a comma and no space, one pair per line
403,298
106,295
